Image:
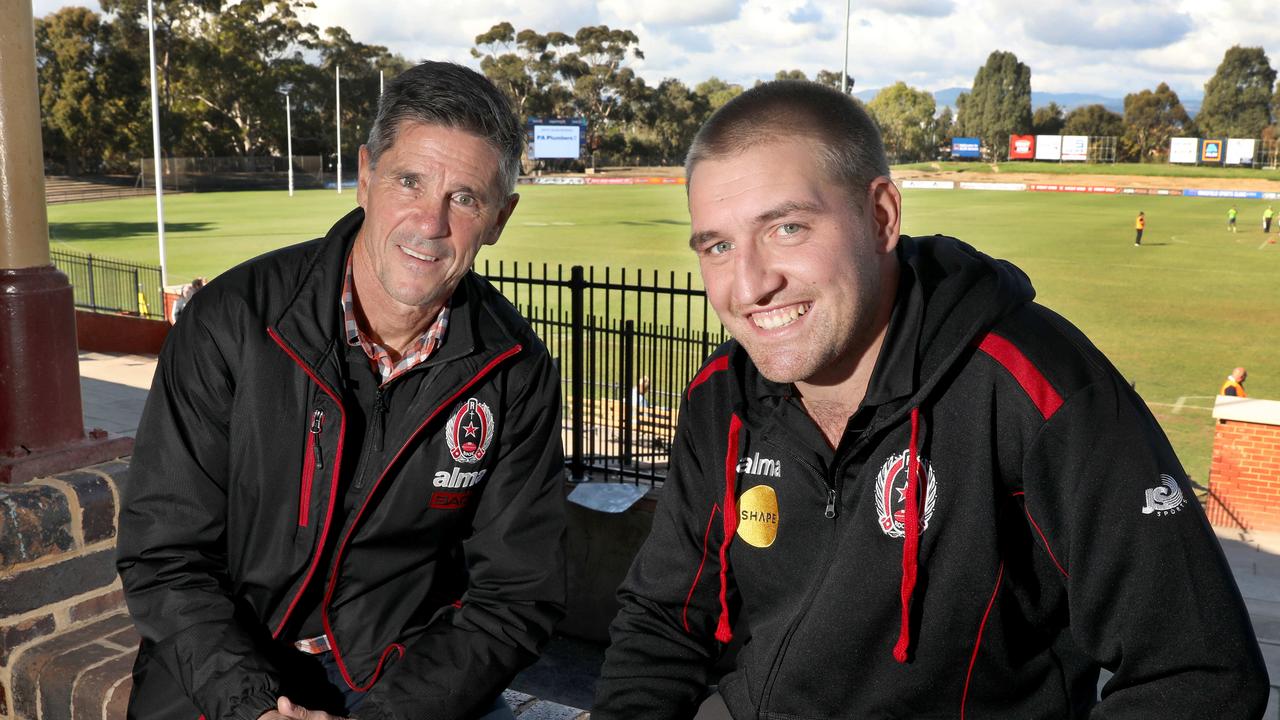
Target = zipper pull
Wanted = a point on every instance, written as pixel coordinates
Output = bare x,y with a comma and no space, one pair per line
317,423
831,503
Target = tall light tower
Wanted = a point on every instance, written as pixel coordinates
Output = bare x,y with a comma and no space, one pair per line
155,143
288,129
844,74
337,119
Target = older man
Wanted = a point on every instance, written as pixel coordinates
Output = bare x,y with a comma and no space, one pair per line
345,499
916,492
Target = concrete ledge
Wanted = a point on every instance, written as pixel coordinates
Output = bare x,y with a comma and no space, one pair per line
1251,410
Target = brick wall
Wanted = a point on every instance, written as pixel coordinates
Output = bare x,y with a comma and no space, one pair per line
1244,477
66,644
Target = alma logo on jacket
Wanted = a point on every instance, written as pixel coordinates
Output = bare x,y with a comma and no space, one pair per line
469,431
891,494
457,478
1164,499
756,465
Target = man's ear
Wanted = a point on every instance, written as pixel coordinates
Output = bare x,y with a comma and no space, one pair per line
364,176
504,214
884,205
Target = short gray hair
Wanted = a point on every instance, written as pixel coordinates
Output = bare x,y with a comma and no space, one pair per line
847,138
450,95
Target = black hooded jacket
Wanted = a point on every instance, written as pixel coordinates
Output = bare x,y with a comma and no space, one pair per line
1002,517
448,574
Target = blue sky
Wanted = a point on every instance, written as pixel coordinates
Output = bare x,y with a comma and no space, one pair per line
1107,47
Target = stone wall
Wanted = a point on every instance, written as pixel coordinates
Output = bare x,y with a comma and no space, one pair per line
66,643
1244,477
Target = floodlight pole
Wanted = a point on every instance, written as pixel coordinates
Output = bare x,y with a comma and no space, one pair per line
844,74
337,119
155,142
288,129
381,87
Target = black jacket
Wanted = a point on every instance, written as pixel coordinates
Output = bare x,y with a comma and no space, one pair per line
448,575
1057,533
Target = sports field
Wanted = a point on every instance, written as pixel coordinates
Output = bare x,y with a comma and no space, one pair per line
1174,315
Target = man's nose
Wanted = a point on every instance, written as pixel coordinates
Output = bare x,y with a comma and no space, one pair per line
431,216
755,275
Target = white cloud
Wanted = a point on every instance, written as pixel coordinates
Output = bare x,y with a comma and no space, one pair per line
659,13
918,8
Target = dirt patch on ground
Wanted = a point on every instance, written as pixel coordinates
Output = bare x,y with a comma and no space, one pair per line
1146,181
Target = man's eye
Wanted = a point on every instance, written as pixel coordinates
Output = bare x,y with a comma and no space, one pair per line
720,248
789,229
408,182
464,199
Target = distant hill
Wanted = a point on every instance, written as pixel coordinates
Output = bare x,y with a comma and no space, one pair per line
1069,101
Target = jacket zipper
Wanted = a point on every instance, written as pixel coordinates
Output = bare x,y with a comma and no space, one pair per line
803,610
355,521
314,461
373,445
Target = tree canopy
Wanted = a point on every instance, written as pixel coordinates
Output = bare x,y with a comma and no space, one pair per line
1237,99
999,104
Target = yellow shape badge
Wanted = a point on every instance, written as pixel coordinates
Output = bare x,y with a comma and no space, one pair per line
758,516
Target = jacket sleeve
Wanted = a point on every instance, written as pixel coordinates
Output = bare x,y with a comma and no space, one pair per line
515,556
1150,594
171,549
663,638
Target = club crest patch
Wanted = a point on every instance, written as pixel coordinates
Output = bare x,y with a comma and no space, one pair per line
469,431
891,495
1164,499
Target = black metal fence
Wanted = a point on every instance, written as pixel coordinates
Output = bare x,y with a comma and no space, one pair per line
613,333
109,285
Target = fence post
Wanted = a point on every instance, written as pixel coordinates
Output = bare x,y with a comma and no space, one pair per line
93,296
137,293
577,302
628,382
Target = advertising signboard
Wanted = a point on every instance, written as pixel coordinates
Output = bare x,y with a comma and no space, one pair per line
1183,150
966,147
1211,151
1075,147
1240,151
552,138
1048,147
1022,147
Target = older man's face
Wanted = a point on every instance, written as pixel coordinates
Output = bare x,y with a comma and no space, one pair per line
434,198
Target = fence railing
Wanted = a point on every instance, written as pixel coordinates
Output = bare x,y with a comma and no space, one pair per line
108,285
607,331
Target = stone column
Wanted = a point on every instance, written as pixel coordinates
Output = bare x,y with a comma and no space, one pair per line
40,414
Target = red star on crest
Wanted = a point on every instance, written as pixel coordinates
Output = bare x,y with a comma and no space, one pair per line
470,428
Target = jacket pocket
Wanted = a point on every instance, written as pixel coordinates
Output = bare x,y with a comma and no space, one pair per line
312,461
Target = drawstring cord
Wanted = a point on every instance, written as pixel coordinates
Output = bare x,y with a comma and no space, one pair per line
911,545
724,629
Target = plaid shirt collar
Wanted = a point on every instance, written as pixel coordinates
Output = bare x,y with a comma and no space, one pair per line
417,352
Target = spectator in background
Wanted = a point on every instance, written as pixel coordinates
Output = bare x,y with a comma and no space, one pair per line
185,296
1139,225
1231,218
1234,386
640,393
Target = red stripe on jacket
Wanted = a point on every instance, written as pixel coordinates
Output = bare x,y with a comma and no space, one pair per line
1033,382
